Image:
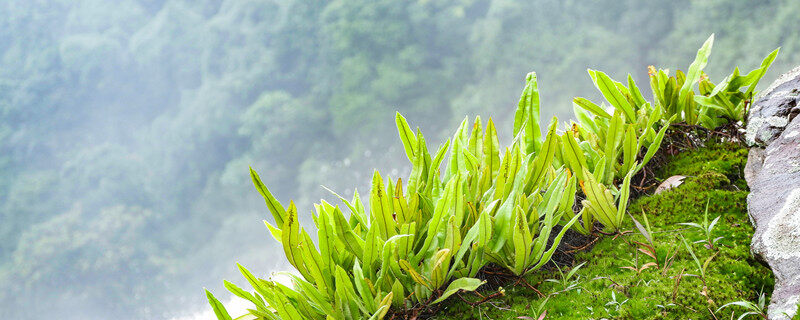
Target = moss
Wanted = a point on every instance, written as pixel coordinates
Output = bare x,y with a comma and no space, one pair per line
673,292
724,158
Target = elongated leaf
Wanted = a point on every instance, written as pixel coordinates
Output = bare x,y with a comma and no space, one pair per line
693,75
573,154
624,193
761,71
466,284
372,251
691,252
398,292
433,184
219,309
635,93
476,138
406,136
381,211
544,158
521,237
274,231
591,107
363,288
241,293
352,242
612,94
290,238
629,150
383,307
651,150
418,278
613,140
545,257
275,207
526,118
357,213
441,263
600,201
256,283
491,153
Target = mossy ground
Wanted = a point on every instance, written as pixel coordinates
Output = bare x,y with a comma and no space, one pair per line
603,288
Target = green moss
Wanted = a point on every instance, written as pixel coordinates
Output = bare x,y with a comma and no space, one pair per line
725,158
661,292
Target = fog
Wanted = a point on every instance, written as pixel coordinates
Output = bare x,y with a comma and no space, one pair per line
127,127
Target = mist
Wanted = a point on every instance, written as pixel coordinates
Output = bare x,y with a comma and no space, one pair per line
127,128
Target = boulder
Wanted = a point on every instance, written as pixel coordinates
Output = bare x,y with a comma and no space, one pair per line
773,175
773,109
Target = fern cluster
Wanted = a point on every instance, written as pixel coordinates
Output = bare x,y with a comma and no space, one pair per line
425,239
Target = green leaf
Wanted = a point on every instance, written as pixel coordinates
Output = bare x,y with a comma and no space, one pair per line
466,284
694,257
612,94
252,280
309,292
219,309
457,162
693,75
651,150
543,159
629,150
275,232
250,316
290,238
352,242
624,194
599,201
761,71
406,136
476,138
356,212
241,293
527,115
591,107
433,183
372,251
383,307
381,212
545,257
573,154
274,206
415,275
399,294
363,288
441,263
491,152
635,93
612,141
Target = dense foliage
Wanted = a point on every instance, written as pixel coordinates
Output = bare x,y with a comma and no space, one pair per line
442,229
127,126
625,282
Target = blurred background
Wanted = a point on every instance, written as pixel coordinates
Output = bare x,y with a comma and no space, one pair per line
127,126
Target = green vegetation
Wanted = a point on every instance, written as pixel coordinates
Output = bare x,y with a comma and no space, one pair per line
618,280
418,245
128,126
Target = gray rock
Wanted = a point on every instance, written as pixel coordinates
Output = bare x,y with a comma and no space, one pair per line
773,109
773,175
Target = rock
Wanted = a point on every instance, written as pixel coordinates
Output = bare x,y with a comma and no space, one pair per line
773,175
773,109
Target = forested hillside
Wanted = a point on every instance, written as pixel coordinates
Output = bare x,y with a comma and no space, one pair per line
128,126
